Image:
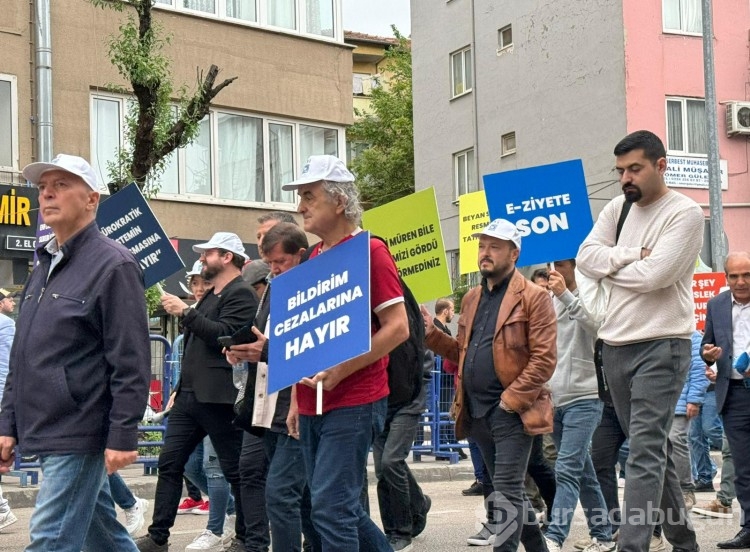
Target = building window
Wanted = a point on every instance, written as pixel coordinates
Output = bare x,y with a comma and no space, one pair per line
8,122
461,72
505,37
316,18
682,16
464,174
508,143
686,126
237,158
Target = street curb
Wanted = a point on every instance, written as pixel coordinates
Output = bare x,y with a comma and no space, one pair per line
144,486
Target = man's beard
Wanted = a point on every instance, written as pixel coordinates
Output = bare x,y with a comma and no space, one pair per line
632,194
209,272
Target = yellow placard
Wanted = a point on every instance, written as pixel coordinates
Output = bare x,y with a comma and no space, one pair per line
411,226
474,215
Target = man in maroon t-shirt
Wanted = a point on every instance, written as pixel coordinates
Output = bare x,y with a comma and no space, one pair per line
335,445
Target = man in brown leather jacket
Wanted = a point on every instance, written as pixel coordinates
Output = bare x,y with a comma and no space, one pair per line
506,352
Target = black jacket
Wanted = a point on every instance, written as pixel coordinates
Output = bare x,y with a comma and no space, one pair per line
210,372
80,364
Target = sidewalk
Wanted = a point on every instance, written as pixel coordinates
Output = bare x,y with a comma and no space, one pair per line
144,486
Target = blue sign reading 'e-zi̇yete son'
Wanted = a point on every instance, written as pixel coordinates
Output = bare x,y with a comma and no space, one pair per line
549,205
320,313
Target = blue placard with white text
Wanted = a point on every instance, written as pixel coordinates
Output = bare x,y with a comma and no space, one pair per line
549,205
320,313
127,218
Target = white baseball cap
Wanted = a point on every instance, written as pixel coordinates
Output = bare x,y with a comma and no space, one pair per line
223,240
503,230
196,270
63,162
321,167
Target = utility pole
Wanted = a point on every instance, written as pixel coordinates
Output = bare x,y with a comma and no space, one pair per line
716,220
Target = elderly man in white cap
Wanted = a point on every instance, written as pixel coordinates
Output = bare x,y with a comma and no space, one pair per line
335,445
506,352
79,366
206,393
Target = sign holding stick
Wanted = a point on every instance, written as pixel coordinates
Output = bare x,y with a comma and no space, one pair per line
321,314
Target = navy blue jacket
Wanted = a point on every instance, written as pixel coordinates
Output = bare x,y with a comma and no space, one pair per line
80,364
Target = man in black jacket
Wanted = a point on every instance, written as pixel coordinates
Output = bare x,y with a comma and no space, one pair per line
79,366
206,393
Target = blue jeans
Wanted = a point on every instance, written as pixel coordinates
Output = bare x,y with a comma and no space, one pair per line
204,471
120,492
706,432
74,508
287,494
575,424
335,448
476,459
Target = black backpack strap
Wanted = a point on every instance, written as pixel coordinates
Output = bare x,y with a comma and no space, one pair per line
621,222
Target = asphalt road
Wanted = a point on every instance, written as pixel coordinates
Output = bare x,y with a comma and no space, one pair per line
452,519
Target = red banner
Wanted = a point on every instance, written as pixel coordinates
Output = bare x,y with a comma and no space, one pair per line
705,286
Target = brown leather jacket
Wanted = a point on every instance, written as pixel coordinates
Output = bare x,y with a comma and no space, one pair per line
525,352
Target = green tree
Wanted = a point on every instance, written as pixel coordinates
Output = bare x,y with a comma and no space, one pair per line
153,128
385,170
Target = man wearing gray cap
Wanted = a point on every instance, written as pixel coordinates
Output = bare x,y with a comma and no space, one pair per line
506,351
79,366
206,393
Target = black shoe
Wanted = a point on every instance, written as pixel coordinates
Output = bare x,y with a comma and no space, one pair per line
146,544
704,487
461,454
419,521
476,489
399,544
740,540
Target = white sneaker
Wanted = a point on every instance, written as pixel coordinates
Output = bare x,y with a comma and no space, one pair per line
229,533
552,546
134,516
7,518
597,546
206,541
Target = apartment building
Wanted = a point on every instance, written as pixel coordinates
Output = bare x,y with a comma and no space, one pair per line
292,98
502,85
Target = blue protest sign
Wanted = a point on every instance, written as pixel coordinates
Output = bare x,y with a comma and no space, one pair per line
320,313
549,205
127,218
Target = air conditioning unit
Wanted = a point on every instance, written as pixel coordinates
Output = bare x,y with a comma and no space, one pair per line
738,118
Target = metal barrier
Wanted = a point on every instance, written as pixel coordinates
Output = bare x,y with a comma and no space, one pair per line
436,418
151,435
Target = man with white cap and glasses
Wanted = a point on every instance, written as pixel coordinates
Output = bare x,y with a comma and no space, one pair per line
506,351
335,445
206,393
79,366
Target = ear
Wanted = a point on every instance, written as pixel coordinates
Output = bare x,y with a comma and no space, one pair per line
661,165
515,253
93,200
340,205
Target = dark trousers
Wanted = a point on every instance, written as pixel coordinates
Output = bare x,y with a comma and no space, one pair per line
646,380
505,448
253,473
736,417
189,422
399,495
192,491
542,473
605,446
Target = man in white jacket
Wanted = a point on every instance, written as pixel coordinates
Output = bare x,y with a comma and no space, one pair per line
646,330
578,412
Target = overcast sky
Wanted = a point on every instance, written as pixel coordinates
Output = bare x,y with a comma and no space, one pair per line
376,16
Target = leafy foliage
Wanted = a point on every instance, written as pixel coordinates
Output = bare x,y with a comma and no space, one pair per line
153,128
385,170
